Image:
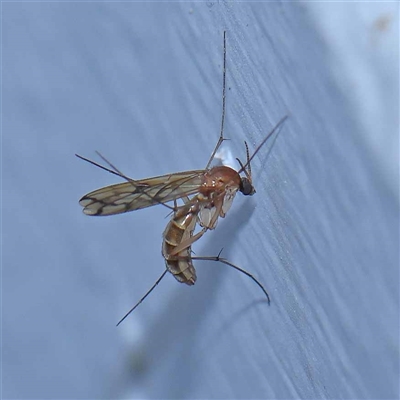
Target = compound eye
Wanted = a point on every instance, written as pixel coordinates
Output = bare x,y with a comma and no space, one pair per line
246,187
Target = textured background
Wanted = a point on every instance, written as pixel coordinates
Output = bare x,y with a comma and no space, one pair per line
141,83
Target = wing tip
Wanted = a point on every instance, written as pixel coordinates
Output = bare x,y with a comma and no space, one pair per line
89,211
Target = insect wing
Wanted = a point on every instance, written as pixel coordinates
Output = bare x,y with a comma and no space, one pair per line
134,195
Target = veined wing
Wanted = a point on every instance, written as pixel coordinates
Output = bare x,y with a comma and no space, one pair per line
134,195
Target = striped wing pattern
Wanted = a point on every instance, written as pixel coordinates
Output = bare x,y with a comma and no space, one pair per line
134,195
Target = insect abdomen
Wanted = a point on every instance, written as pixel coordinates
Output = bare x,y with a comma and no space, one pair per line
179,229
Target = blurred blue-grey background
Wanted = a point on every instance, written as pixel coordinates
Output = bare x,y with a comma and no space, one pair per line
141,83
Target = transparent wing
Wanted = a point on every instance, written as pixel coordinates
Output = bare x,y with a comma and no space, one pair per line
134,195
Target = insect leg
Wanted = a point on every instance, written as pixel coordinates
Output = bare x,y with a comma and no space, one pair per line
186,199
243,271
141,300
211,225
221,135
131,180
115,171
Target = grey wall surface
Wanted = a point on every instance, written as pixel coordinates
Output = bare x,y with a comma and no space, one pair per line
141,83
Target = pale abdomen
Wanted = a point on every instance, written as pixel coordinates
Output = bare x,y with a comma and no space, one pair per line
179,230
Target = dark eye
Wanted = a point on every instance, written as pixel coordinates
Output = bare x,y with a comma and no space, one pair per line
246,187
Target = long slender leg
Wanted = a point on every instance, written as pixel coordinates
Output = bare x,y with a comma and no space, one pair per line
221,135
105,169
116,171
243,271
109,163
134,184
141,300
212,258
186,199
188,242
181,209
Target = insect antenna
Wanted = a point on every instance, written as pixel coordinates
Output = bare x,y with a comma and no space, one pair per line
275,129
242,167
218,258
141,300
117,172
221,135
248,159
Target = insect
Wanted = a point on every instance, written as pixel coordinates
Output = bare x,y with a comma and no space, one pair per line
206,194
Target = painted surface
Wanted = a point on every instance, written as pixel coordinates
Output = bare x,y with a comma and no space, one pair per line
141,83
